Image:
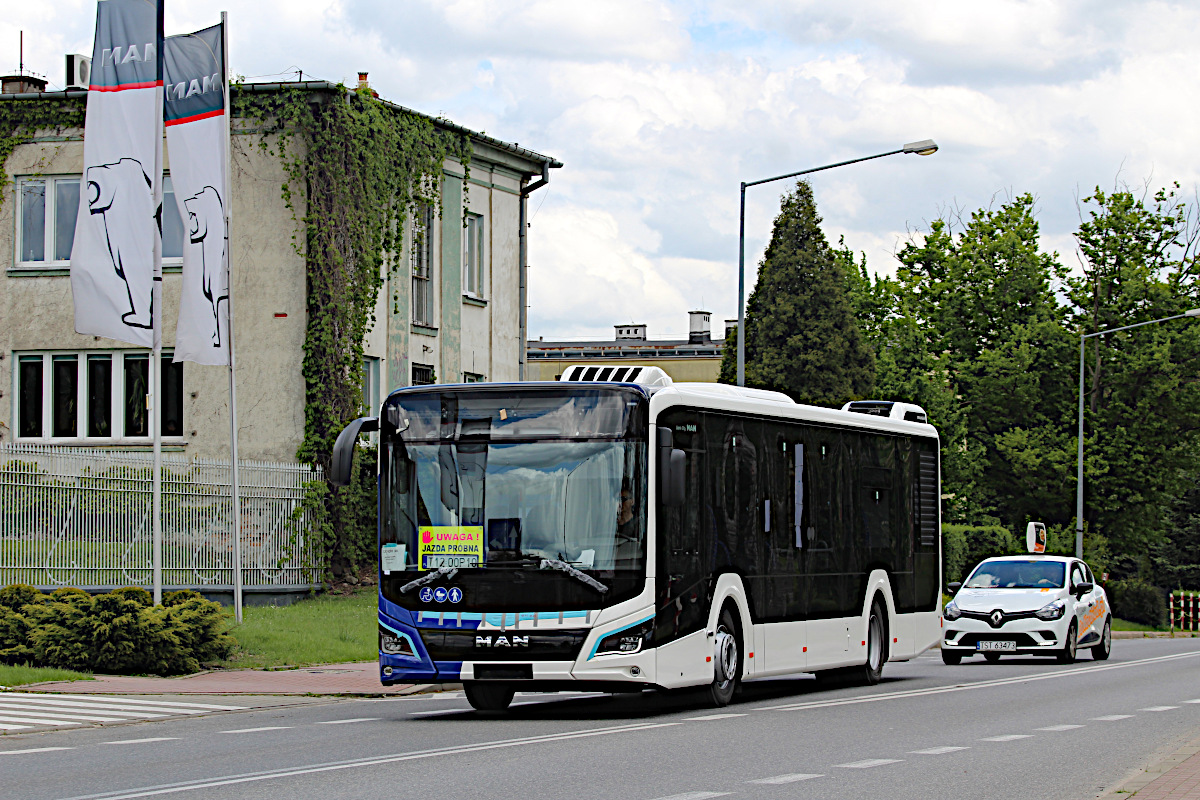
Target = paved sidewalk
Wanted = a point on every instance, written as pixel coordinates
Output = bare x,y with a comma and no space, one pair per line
359,678
1176,777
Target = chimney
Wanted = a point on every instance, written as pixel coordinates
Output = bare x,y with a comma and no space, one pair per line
730,327
631,332
699,327
362,81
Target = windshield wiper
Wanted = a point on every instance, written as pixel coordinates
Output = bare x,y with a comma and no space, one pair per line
442,572
562,566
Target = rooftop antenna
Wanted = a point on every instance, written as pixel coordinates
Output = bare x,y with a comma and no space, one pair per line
21,67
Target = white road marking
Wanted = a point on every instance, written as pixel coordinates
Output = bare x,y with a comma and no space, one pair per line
120,709
708,717
149,703
37,721
256,730
32,711
966,687
1058,728
694,796
1112,718
1197,700
372,761
778,779
938,751
1008,737
1159,708
145,741
14,727
348,721
439,713
870,762
33,750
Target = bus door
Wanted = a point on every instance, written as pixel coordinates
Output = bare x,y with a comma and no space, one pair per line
784,520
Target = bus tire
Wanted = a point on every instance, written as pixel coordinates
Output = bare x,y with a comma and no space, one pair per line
877,630
1103,648
488,696
727,659
1070,648
951,658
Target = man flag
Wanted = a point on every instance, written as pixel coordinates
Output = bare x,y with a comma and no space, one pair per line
117,235
197,139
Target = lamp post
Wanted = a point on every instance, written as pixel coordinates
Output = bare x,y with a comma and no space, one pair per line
926,147
1083,337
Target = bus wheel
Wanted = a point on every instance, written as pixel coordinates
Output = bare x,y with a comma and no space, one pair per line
872,671
727,660
488,696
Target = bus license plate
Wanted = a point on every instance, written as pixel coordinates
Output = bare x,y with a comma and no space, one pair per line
459,562
1007,645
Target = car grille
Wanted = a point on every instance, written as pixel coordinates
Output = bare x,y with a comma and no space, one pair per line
1005,616
518,645
1022,639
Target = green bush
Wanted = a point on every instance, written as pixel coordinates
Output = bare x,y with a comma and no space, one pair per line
19,595
119,632
1137,601
964,546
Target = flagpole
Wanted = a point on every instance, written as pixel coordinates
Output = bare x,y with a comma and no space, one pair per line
233,416
156,312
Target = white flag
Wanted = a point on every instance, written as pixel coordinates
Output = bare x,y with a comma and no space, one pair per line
117,230
197,142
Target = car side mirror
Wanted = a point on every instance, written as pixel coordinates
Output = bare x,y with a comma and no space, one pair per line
954,587
1083,588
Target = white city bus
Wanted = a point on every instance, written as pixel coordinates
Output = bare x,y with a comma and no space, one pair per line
616,531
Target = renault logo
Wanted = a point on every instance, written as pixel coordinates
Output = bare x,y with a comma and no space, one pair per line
997,618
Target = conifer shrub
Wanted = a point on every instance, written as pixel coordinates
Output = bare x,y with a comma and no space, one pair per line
119,632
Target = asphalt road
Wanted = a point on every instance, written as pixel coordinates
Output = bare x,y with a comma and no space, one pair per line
1027,728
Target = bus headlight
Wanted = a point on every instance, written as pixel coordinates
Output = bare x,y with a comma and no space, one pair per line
627,641
1053,610
951,611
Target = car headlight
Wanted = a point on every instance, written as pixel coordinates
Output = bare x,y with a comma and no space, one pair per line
627,641
1053,610
951,611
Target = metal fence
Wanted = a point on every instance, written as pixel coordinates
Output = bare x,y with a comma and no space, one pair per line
81,517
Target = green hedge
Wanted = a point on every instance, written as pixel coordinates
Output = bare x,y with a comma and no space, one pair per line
120,632
964,546
1138,601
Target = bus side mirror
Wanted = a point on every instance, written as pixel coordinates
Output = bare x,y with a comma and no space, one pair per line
672,469
343,449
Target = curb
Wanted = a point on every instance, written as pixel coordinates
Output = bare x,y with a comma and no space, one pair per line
1155,770
1154,634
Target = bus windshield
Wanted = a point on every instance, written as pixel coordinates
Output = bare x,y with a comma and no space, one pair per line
547,483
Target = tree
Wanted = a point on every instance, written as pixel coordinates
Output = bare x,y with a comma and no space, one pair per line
801,335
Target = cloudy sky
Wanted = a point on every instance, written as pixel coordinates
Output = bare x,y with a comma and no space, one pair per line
659,109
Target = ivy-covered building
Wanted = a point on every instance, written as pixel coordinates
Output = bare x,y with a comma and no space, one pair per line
372,247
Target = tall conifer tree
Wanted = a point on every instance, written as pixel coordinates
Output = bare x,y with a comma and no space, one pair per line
801,335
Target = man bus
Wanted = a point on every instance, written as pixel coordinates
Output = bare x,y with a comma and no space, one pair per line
615,531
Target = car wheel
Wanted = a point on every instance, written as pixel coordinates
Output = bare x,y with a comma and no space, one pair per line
992,658
1103,649
951,658
1070,648
488,696
727,660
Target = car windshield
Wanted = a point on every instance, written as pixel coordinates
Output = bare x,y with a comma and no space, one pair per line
1031,574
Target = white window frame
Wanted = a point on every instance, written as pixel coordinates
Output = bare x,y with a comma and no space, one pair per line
370,387
117,399
474,255
424,255
474,377
51,200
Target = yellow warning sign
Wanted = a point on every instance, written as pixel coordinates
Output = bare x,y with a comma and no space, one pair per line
449,546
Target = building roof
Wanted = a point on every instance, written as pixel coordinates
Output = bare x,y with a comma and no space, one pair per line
624,348
326,86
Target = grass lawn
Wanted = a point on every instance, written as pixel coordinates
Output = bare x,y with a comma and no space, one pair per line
321,630
16,676
1126,625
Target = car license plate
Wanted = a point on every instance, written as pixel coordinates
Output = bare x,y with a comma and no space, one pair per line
1006,645
434,562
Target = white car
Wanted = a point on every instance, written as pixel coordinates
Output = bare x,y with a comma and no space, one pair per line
1027,605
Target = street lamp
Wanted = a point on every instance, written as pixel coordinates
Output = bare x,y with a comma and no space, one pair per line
1083,337
925,147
